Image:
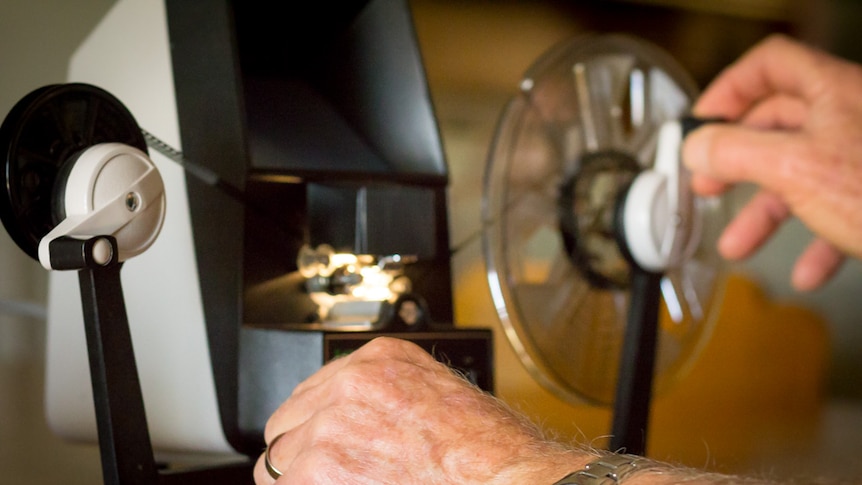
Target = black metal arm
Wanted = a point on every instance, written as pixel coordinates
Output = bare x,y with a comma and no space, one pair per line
124,439
637,364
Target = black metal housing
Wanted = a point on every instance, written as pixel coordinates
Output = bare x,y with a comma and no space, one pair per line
320,112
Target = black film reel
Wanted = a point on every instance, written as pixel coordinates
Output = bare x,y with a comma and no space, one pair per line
40,138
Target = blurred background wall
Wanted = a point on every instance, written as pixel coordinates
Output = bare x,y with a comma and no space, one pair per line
36,40
475,53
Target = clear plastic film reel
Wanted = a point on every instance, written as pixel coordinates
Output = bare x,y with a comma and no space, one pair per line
584,124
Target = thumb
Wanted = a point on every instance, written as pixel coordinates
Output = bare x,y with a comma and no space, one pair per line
729,153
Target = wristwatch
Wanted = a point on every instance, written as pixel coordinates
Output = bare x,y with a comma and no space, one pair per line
607,470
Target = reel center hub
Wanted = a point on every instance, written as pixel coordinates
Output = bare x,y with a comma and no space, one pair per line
587,211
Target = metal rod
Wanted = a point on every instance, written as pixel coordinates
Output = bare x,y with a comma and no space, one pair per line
582,90
124,439
637,365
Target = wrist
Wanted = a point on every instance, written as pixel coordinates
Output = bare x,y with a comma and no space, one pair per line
544,466
604,468
551,466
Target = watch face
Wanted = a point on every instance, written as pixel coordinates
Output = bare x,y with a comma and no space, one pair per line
607,470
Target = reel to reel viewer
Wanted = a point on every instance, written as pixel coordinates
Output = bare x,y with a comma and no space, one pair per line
223,325
600,260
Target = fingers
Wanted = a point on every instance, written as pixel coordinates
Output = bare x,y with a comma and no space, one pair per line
293,411
261,476
282,453
776,65
289,426
820,261
778,111
758,221
338,377
752,226
707,186
720,154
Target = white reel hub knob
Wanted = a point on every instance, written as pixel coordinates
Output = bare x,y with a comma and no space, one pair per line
657,212
113,189
646,218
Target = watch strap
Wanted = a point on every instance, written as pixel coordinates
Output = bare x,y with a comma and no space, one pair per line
607,470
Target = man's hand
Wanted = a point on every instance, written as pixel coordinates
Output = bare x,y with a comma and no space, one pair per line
390,413
797,134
